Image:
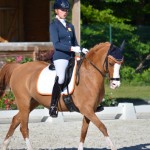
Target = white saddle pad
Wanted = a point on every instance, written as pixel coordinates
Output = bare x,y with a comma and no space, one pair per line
46,81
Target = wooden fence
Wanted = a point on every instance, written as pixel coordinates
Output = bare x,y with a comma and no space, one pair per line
36,50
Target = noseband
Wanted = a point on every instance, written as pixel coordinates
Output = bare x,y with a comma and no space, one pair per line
115,79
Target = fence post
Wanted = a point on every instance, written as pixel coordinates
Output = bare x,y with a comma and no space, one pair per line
110,34
128,111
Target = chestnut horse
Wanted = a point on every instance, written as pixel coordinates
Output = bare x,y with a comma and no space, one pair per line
103,58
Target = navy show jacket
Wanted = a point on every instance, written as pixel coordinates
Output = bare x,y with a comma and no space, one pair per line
62,38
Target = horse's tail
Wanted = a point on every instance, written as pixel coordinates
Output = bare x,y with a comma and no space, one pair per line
5,75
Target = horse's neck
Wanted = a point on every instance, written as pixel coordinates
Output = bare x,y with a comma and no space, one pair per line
91,83
93,65
91,76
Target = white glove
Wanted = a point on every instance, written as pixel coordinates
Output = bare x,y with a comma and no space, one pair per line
84,50
75,49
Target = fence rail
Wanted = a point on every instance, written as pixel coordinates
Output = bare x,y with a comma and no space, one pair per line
124,111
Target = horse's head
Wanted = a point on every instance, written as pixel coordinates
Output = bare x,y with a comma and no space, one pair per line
115,59
106,58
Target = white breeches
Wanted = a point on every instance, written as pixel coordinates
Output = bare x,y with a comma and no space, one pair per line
60,66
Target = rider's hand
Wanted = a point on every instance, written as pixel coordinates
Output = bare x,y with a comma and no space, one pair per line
84,50
75,49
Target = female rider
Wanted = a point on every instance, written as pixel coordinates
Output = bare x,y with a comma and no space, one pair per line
65,44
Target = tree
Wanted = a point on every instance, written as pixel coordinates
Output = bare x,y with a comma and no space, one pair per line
120,19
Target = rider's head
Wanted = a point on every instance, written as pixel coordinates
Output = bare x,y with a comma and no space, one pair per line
61,8
62,4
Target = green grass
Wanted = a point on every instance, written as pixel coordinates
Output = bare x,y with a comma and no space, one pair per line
125,93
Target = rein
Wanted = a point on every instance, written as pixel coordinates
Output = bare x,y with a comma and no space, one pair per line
80,63
96,68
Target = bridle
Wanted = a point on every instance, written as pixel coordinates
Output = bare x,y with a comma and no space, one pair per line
83,56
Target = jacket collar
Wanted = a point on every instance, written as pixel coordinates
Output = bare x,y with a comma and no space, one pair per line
58,21
63,21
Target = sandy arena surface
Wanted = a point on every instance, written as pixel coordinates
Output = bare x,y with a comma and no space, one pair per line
126,135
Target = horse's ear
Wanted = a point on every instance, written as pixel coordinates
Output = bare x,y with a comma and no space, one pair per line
122,45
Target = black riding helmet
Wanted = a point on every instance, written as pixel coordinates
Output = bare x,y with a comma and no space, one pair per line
61,4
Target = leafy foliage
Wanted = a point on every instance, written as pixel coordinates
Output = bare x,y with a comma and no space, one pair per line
129,76
91,15
109,21
109,100
7,101
19,59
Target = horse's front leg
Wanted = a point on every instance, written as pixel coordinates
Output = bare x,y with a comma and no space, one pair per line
95,120
85,125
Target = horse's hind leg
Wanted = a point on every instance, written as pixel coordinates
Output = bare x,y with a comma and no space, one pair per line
14,124
85,125
24,113
24,127
95,120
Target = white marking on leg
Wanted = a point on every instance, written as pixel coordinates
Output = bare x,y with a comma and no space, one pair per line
80,146
110,144
6,143
28,144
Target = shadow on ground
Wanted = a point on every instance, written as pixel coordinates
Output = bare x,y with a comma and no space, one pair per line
136,101
136,147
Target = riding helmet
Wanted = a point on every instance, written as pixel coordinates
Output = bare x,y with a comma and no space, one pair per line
61,4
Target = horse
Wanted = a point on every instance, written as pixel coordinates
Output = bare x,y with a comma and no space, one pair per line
101,60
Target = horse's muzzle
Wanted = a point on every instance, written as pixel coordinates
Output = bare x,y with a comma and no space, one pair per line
114,84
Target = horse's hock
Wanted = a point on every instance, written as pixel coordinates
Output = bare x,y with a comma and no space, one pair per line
42,51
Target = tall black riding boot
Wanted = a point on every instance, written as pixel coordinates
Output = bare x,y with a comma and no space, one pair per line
55,97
